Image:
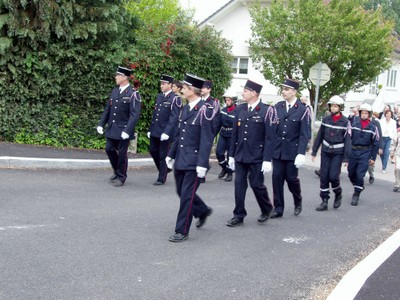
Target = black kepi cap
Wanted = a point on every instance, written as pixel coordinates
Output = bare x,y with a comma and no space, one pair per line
291,83
253,86
193,80
166,78
124,71
208,84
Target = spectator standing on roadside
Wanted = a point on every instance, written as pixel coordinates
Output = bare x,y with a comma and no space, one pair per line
389,133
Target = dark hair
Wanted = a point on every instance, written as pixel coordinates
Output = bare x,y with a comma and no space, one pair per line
389,111
178,84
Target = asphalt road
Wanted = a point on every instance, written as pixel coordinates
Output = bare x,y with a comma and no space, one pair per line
68,234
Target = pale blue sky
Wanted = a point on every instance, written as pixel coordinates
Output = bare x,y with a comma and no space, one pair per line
204,8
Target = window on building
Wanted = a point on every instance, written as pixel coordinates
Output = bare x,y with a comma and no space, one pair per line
240,65
373,87
391,78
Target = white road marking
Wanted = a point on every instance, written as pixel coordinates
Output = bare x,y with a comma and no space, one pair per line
295,240
353,281
19,227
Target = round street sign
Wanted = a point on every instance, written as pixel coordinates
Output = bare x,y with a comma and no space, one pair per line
323,71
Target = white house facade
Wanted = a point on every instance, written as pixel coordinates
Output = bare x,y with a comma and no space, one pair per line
234,21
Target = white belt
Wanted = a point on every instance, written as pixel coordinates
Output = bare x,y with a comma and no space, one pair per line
332,146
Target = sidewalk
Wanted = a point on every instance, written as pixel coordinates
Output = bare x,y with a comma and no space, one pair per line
31,156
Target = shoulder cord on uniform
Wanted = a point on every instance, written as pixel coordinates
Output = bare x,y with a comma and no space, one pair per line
272,115
175,100
135,96
203,113
307,113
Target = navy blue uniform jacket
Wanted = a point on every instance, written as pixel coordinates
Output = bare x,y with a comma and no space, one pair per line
334,133
121,114
194,138
252,134
292,131
165,115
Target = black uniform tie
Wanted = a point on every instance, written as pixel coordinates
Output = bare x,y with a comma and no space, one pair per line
290,105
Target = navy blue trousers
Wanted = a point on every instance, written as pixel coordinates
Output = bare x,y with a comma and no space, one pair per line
222,148
285,170
331,165
159,151
358,166
251,172
117,152
191,205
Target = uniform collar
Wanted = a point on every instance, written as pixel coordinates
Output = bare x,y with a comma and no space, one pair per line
194,103
122,88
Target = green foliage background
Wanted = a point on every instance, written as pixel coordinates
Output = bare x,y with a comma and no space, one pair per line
58,60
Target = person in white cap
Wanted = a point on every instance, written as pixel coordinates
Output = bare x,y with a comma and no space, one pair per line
335,139
364,149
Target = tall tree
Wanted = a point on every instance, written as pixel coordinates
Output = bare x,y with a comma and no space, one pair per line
289,38
390,9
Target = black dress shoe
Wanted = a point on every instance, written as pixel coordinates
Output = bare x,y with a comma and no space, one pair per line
317,172
118,183
228,177
297,210
371,180
202,180
169,170
264,218
222,173
202,219
234,222
158,183
178,237
276,214
113,178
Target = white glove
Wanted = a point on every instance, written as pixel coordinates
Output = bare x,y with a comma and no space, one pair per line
170,162
124,135
201,172
231,163
100,129
266,167
164,137
148,134
299,161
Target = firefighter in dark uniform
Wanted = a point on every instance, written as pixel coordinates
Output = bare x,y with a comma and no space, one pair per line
163,123
189,155
364,149
225,126
121,115
336,147
250,154
291,138
213,103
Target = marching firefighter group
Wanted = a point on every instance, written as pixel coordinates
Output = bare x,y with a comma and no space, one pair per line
254,138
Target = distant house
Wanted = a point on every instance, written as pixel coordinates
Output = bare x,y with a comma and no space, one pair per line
233,20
